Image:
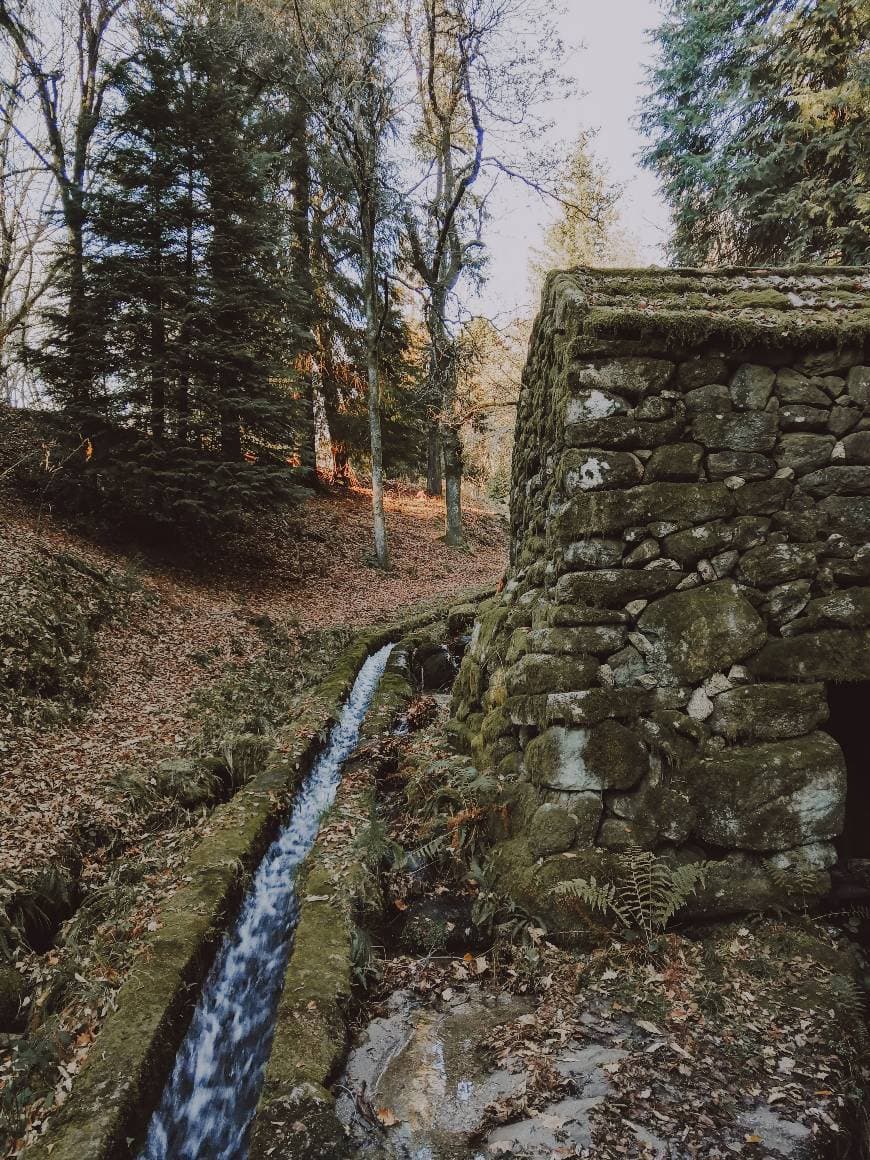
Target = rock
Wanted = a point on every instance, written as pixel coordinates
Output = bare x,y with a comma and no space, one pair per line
559,1129
833,655
677,462
763,497
793,417
848,609
689,546
584,406
187,783
553,830
804,452
591,706
769,712
634,377
793,387
627,667
772,564
777,1134
434,666
655,408
700,706
536,673
849,515
698,371
655,813
786,601
746,464
747,431
646,551
596,639
593,553
858,386
607,756
715,398
856,447
838,481
751,387
594,470
600,513
13,991
826,362
770,796
607,589
843,418
698,632
460,618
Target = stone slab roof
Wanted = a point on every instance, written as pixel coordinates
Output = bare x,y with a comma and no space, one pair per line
799,308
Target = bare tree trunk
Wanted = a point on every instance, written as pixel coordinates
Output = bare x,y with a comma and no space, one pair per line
453,487
300,220
433,461
380,524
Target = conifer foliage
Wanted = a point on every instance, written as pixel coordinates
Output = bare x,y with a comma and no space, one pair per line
759,126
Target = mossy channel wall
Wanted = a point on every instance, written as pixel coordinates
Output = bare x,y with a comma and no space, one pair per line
120,1085
690,567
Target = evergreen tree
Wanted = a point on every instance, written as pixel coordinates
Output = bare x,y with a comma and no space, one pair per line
760,127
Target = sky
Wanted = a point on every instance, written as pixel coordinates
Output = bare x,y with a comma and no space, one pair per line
610,71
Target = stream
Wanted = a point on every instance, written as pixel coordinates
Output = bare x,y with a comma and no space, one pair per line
210,1099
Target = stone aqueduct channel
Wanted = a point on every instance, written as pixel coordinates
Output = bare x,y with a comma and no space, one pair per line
689,581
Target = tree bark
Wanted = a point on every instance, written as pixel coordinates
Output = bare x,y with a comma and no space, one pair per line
300,221
382,552
452,446
433,461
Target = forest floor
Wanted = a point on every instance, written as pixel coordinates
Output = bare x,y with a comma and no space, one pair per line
179,630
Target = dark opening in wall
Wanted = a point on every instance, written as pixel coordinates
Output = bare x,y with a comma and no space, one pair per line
849,724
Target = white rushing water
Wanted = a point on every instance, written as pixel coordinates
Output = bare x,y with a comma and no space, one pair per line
209,1101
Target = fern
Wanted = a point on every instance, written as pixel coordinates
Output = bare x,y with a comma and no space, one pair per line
645,894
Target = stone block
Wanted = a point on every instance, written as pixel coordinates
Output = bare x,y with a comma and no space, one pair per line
771,564
763,497
838,480
794,417
591,706
701,370
751,387
745,431
553,830
613,588
676,462
599,640
747,464
770,796
592,405
634,377
595,470
603,513
697,632
858,386
593,553
715,398
828,655
793,387
849,515
804,452
857,447
843,418
847,609
622,432
689,546
543,673
769,712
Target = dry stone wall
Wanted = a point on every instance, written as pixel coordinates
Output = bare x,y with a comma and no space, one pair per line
690,567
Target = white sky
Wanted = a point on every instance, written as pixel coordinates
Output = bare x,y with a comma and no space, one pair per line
610,70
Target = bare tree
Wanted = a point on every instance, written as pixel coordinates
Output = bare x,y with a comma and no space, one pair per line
26,268
351,96
478,87
66,68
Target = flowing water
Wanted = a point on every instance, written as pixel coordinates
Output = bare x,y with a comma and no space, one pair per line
210,1099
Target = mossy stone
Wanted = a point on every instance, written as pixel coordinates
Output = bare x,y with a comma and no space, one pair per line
597,640
615,755
763,497
553,830
744,431
596,470
770,796
601,513
537,673
804,452
833,655
612,588
768,712
677,462
633,377
701,631
771,564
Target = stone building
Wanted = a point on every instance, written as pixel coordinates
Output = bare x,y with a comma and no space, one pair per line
677,656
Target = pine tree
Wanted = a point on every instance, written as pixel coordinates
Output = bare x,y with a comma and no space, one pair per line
760,127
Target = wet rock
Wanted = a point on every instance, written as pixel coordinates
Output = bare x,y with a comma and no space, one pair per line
697,632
